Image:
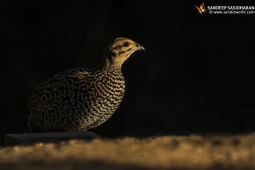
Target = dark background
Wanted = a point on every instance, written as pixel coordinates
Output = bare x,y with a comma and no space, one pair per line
197,74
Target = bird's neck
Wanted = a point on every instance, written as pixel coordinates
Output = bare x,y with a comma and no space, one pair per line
107,65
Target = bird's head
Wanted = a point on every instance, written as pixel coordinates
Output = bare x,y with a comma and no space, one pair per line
119,49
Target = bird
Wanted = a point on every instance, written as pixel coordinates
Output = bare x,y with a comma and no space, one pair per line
82,98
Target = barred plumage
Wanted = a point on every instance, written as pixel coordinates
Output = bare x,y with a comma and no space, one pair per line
81,99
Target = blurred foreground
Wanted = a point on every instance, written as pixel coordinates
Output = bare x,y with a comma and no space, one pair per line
165,152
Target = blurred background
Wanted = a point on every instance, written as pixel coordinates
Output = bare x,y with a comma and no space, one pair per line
197,74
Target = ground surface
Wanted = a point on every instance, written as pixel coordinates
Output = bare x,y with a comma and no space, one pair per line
168,152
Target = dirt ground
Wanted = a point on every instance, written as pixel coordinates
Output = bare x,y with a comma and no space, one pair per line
163,152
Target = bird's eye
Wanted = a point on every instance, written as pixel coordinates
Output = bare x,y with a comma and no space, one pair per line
126,44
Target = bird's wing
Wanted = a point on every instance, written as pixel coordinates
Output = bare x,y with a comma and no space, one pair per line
59,87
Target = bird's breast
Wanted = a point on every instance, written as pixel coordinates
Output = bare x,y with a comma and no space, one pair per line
110,86
106,94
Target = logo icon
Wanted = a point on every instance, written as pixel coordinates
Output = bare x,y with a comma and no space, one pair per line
201,9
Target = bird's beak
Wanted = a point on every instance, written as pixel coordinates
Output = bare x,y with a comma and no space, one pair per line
139,47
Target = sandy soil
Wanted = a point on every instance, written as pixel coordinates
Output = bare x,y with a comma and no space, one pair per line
165,152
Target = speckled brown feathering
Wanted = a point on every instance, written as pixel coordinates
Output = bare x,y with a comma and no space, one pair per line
81,99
